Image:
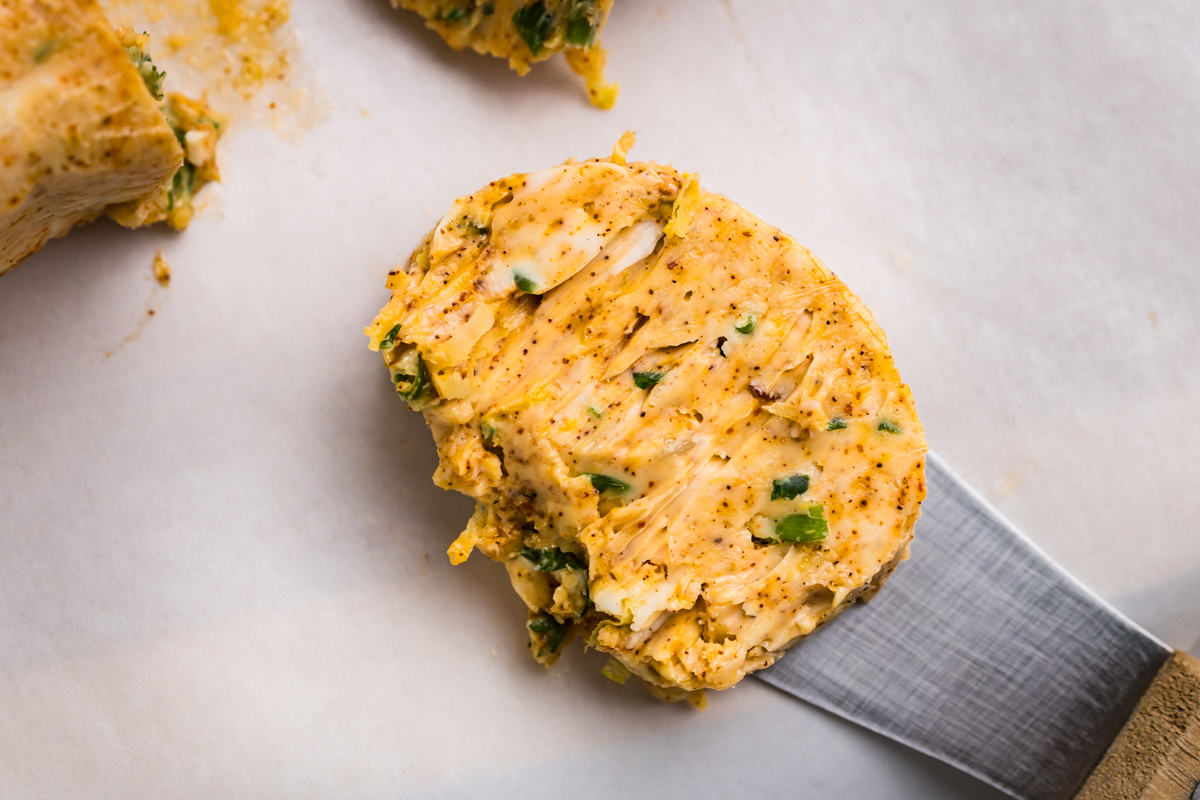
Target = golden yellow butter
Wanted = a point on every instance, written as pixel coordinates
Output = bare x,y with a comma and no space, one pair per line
686,438
527,31
85,128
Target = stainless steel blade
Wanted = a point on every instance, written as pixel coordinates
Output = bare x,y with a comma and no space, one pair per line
981,652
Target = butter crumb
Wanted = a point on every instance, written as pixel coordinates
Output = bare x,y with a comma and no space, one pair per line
162,270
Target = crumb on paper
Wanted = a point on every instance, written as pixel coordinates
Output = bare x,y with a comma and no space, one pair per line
1005,484
615,671
1154,319
734,27
901,261
241,56
150,312
162,271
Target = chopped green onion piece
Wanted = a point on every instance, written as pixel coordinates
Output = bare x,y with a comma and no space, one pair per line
594,412
810,527
887,426
549,632
412,378
582,21
604,483
551,559
454,14
181,186
579,32
746,325
836,424
790,487
525,284
534,22
418,381
151,75
389,339
644,380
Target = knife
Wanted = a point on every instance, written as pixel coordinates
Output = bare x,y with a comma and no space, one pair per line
985,654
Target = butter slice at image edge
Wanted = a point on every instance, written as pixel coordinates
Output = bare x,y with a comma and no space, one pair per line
86,129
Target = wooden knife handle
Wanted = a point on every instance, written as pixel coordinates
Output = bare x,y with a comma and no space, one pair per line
1156,756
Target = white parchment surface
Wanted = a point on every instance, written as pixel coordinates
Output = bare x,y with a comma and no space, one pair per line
222,568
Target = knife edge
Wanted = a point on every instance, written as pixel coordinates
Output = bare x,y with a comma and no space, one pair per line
983,653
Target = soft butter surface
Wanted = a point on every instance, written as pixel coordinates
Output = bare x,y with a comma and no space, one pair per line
686,437
527,31
79,131
85,128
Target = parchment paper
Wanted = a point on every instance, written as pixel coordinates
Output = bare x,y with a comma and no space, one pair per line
222,568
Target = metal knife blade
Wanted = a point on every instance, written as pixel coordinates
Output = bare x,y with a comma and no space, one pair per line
981,652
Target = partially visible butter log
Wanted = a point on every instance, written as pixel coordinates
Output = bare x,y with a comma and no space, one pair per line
80,130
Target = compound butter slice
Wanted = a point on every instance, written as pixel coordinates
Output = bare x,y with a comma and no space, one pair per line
686,437
527,31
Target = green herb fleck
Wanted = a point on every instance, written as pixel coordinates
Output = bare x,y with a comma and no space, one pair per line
534,22
605,483
582,22
525,284
181,186
488,9
579,32
180,133
45,51
454,14
411,377
594,412
644,380
549,632
151,75
887,426
551,559
810,527
747,324
389,339
836,424
790,487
